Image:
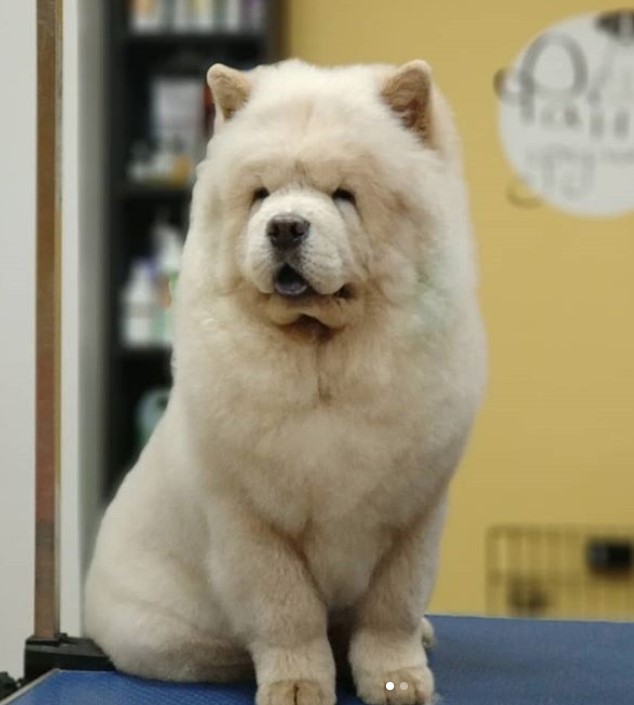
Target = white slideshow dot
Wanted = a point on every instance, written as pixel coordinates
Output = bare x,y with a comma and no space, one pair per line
389,685
403,686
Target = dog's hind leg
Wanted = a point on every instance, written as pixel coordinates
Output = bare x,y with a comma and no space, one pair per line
145,640
429,635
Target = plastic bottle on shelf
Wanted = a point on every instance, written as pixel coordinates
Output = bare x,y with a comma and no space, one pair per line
150,409
204,15
233,15
253,14
168,245
182,15
182,164
140,167
148,15
139,305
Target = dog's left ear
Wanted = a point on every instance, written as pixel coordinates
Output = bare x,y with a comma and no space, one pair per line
408,92
230,89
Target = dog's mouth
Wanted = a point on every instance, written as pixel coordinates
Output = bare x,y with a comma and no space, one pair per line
290,284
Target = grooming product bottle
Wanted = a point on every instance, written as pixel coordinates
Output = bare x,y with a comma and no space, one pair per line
182,15
204,15
139,305
233,15
168,245
147,15
253,14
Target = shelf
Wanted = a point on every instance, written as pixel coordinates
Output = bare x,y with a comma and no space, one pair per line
146,352
156,191
154,39
133,60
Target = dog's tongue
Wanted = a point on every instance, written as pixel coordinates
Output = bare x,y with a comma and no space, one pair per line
290,283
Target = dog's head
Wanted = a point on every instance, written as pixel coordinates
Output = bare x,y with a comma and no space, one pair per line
323,189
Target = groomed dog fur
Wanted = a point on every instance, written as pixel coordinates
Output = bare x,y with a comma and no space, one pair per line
328,363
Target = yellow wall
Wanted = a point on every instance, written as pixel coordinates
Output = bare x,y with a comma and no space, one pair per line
555,441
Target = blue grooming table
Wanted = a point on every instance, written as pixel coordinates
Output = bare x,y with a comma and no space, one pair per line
477,661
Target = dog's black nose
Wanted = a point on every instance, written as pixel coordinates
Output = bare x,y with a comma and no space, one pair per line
287,231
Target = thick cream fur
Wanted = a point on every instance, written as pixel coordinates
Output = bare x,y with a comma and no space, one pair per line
297,482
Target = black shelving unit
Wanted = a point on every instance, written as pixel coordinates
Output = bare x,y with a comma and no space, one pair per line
132,59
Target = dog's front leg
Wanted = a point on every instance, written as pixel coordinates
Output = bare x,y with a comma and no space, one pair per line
274,607
386,654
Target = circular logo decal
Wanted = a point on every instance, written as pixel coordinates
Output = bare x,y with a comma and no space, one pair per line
567,114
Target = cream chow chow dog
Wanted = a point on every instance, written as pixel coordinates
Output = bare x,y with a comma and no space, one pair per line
329,360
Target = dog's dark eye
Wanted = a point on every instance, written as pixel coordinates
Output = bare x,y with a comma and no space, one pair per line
260,194
342,194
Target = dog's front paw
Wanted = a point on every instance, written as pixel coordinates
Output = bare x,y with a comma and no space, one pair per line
403,686
390,668
294,692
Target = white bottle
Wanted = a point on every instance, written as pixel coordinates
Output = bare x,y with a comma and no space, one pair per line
140,167
162,162
169,250
147,15
205,15
182,17
233,15
254,14
139,304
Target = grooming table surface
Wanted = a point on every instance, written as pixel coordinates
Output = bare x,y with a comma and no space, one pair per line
476,662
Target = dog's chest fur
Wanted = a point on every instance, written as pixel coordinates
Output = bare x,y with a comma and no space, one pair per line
337,479
342,557
335,450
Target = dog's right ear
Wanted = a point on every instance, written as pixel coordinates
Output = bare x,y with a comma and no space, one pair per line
230,89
